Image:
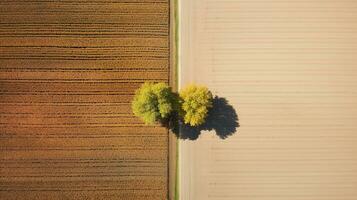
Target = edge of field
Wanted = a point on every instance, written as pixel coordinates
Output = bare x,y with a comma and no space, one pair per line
176,21
173,187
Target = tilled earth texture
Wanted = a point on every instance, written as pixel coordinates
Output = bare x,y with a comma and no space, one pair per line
68,71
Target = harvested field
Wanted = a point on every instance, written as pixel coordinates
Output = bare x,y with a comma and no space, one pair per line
289,69
68,71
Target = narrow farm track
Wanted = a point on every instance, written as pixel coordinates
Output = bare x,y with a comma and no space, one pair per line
68,71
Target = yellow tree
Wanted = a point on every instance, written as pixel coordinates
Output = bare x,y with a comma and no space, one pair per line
153,102
196,102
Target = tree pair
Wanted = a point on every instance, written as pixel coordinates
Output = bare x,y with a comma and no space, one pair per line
155,102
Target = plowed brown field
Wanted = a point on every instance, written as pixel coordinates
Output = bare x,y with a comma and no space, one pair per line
68,71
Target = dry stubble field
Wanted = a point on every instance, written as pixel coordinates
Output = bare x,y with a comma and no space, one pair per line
289,70
68,70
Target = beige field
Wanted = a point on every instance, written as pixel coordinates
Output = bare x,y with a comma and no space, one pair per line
289,69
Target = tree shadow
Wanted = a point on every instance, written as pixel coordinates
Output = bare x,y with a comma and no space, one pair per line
222,118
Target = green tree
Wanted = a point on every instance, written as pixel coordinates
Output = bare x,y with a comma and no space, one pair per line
195,103
153,102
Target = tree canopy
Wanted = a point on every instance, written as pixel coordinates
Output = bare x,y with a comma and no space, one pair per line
195,104
153,102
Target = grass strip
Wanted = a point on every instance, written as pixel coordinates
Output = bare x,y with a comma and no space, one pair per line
177,62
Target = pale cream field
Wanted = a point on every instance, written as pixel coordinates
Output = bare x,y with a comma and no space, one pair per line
290,70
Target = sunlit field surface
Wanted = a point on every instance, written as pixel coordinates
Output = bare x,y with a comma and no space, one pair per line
68,71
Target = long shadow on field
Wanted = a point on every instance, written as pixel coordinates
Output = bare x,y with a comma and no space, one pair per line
222,118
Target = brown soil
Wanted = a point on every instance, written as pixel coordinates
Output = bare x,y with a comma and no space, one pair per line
68,71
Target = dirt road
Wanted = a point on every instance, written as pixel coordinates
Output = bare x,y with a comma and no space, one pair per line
289,69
